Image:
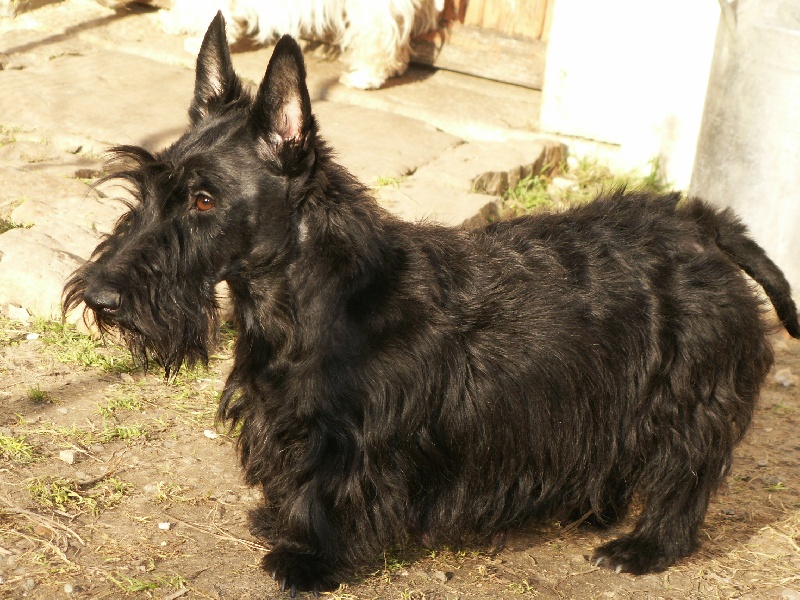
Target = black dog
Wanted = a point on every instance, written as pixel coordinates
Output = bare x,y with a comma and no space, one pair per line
396,380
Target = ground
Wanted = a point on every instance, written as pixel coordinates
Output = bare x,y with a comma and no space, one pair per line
117,483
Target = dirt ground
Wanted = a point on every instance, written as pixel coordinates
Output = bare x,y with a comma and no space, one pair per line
115,483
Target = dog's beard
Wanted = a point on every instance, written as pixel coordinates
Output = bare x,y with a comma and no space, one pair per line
177,331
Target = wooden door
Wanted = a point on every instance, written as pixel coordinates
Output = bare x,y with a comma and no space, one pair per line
502,40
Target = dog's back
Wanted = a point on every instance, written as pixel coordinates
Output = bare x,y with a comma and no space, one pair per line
585,355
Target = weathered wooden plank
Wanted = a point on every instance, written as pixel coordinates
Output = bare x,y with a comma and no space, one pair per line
524,18
484,53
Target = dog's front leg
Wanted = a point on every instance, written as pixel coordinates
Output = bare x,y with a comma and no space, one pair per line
304,554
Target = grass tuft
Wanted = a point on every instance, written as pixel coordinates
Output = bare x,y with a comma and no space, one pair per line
66,495
582,183
123,432
139,584
16,449
72,347
37,395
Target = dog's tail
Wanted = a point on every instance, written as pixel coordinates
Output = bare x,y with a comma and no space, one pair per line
732,237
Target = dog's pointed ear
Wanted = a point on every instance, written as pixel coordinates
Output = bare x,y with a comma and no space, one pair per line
216,84
282,110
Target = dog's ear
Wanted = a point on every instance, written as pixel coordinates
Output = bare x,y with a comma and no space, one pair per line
216,84
282,110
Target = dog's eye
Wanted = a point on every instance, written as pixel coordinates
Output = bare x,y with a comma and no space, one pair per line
203,201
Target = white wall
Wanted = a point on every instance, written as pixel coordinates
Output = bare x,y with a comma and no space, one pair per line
632,73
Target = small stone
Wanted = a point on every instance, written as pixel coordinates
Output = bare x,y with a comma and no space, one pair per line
62,410
17,313
761,464
68,589
126,377
785,377
441,576
229,498
563,183
421,574
165,526
32,336
788,594
150,488
28,584
728,511
82,477
68,456
163,543
212,435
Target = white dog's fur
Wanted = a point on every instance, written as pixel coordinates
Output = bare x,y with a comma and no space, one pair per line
374,35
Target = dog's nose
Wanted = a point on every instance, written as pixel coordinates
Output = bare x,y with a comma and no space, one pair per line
103,299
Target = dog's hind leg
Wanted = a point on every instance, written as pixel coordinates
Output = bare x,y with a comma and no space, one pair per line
689,445
667,527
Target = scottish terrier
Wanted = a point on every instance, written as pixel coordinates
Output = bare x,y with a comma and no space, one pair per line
399,381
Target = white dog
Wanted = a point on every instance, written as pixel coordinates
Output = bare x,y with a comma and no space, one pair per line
374,35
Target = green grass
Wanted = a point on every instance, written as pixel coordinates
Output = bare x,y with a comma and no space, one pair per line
580,184
8,135
72,435
8,225
140,584
66,495
777,487
119,403
530,193
123,432
16,449
83,437
382,181
72,347
37,395
169,493
10,331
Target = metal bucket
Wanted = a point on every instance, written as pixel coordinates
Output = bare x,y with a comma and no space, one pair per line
748,152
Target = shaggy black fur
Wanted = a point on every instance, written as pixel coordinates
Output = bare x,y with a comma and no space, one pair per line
395,379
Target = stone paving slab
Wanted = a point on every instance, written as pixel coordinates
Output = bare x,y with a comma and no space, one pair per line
144,102
438,203
374,144
491,167
33,269
109,97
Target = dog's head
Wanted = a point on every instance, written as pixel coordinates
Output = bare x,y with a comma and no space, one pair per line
209,208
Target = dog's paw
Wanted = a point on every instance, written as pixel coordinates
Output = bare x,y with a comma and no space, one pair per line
363,79
298,571
630,554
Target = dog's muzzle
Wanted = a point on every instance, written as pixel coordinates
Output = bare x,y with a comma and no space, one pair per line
103,299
